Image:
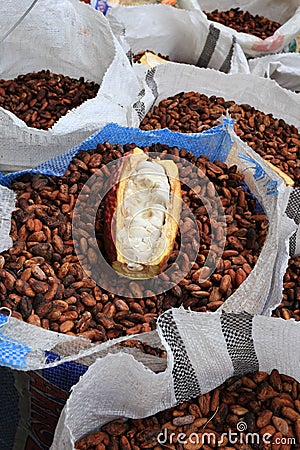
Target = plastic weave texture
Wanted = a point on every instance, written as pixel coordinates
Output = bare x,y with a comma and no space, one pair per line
65,375
214,143
12,352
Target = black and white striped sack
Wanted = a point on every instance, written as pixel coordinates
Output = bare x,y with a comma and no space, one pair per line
204,349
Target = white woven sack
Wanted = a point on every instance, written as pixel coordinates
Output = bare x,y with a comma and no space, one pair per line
185,36
68,37
7,206
170,79
287,13
258,294
204,349
283,68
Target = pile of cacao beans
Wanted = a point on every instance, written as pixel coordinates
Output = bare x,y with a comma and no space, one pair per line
193,112
267,407
289,308
42,278
273,139
41,98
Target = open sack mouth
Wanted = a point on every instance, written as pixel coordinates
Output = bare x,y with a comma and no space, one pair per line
276,141
47,276
41,98
254,411
244,21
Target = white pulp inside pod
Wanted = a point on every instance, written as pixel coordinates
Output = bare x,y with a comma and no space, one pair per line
146,198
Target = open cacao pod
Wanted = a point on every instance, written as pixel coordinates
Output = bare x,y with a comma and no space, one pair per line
141,215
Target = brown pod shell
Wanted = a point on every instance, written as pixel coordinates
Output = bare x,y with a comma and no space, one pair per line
114,219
